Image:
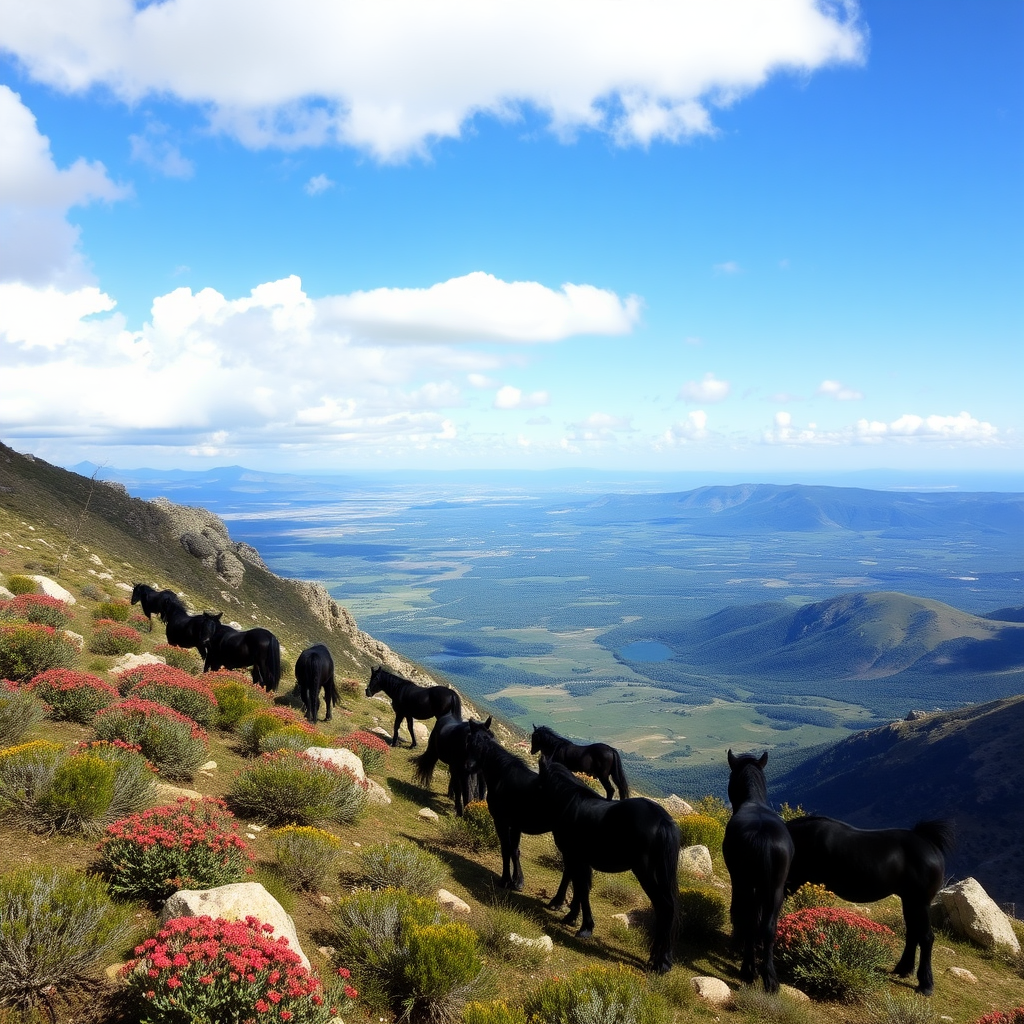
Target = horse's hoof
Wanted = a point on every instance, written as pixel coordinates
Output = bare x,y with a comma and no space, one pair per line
926,990
517,885
555,904
585,933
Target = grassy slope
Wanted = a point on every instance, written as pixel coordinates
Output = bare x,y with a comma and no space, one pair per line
118,531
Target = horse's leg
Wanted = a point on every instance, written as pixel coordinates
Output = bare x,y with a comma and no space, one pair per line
664,907
905,965
919,931
412,729
558,899
741,913
517,867
327,700
581,883
398,725
508,850
609,789
769,926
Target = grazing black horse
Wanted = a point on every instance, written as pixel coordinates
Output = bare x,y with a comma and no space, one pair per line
758,852
228,647
410,701
314,671
184,630
447,743
163,602
514,800
598,760
635,835
864,865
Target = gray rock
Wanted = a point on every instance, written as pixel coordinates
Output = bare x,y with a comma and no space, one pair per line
230,567
347,759
5,594
427,814
696,861
676,806
130,661
452,903
199,546
963,975
53,589
712,990
544,944
376,793
971,912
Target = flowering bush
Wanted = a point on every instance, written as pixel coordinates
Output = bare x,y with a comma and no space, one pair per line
26,772
185,658
116,611
612,995
19,711
192,844
72,696
26,649
236,697
810,895
140,623
832,953
134,775
702,830
288,787
209,969
293,737
255,726
177,689
56,928
305,855
474,830
173,742
1014,1016
110,637
372,750
47,611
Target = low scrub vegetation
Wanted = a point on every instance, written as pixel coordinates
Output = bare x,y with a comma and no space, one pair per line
372,750
178,690
702,910
26,649
185,658
45,611
474,830
172,741
237,697
597,995
400,865
306,856
112,637
72,696
19,712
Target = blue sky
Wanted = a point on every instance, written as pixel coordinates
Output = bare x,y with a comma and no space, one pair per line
658,236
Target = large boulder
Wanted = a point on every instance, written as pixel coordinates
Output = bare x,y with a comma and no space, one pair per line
340,757
696,861
713,991
676,806
971,912
235,903
53,589
129,661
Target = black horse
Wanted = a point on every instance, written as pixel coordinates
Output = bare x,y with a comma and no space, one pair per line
410,701
758,852
447,743
595,759
228,647
163,602
514,800
635,835
184,630
864,865
314,671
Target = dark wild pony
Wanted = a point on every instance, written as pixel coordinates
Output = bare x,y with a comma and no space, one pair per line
163,602
864,865
635,835
758,852
447,743
410,701
314,671
514,800
228,647
184,630
597,760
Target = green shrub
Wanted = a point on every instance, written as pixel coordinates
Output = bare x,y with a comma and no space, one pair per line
134,776
702,911
832,954
19,711
400,865
701,830
787,813
236,698
809,895
292,737
288,787
28,649
443,962
473,831
909,1008
760,1007
497,1012
79,794
26,772
18,585
45,611
116,611
714,807
620,890
57,929
174,743
500,920
254,727
185,658
596,995
110,637
72,696
192,844
176,689
306,856
92,592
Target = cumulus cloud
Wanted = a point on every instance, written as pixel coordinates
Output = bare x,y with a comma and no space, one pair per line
317,184
693,428
509,397
155,149
605,421
388,78
37,244
840,392
707,390
907,429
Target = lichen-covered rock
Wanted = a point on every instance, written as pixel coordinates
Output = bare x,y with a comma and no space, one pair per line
971,912
376,793
130,661
198,546
229,565
676,806
247,553
340,757
712,990
696,861
51,588
427,814
544,944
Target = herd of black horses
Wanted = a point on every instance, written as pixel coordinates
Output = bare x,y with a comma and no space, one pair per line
766,857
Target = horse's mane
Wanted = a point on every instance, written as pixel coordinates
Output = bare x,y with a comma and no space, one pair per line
752,777
563,783
506,760
394,677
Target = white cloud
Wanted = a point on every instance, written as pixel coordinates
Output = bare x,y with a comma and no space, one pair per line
37,244
907,429
840,392
480,306
154,149
388,78
317,184
605,421
707,390
482,382
509,397
729,267
693,428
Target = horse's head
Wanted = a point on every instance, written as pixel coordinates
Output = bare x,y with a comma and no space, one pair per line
209,625
478,735
746,778
376,683
137,591
534,747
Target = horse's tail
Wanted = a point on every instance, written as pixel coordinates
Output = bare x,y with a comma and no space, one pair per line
274,663
456,705
619,776
425,763
941,834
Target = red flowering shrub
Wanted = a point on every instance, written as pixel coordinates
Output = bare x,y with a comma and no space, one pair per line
831,953
185,658
46,611
1014,1016
26,649
110,637
255,726
72,696
203,968
141,623
193,844
171,740
372,750
177,689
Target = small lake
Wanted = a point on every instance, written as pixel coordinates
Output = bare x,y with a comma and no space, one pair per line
645,650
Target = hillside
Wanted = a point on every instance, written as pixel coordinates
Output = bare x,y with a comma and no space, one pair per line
963,764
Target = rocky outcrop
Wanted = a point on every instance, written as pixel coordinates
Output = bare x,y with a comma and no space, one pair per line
971,912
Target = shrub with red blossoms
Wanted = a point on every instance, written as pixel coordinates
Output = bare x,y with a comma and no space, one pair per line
192,844
831,953
46,611
177,689
26,649
172,741
72,696
186,658
110,637
372,750
1014,1016
203,968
